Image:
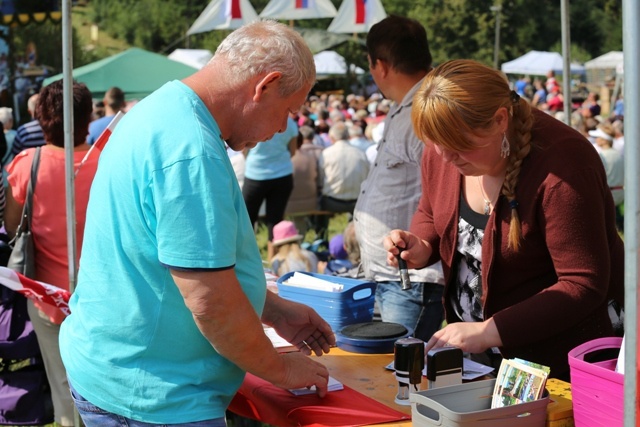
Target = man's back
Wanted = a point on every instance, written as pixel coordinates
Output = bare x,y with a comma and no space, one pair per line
28,135
344,168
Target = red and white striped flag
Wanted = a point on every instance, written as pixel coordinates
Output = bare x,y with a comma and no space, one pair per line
223,15
106,134
102,139
35,290
299,9
357,16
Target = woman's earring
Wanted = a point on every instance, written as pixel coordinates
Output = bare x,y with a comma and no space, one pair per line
505,149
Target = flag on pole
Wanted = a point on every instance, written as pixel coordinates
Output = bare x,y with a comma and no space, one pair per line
357,16
102,139
299,9
361,11
223,15
106,134
35,290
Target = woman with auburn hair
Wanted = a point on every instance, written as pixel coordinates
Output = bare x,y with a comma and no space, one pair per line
516,206
49,220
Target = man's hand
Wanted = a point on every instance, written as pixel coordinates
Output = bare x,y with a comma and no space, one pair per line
299,324
302,371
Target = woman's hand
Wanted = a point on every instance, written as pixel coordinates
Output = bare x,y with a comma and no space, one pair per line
471,337
412,249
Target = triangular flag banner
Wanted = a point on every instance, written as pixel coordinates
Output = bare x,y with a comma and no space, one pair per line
35,290
357,16
235,11
223,15
360,11
299,9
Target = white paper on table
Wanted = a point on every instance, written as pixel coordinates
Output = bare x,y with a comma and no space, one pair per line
470,369
333,385
620,362
302,280
280,344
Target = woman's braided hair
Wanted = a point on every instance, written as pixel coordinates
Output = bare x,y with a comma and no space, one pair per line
521,123
461,97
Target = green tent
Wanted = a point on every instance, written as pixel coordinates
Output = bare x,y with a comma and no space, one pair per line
136,71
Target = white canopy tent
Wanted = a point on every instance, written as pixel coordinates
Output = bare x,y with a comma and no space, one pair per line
538,63
608,60
331,64
196,58
604,67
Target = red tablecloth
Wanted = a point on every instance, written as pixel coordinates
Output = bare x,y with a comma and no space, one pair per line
259,400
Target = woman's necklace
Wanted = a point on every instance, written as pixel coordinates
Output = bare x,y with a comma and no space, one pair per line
487,203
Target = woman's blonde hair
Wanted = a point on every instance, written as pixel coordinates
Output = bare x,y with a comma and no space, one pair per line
461,97
287,250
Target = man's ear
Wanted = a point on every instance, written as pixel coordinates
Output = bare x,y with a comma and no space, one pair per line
383,67
267,83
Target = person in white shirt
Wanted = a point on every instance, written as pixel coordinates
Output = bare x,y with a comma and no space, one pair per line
343,167
357,138
618,140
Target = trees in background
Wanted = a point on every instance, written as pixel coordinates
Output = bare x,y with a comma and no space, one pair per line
456,28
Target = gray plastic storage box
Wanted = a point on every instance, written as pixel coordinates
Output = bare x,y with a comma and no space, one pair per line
469,405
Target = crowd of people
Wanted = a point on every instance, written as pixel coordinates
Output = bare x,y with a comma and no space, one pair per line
605,133
455,171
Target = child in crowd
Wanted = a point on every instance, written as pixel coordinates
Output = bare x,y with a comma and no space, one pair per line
338,256
289,256
344,252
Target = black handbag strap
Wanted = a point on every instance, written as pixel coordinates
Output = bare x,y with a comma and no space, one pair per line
27,209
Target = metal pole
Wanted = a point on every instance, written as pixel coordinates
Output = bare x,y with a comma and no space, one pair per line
630,39
566,58
67,99
496,47
67,71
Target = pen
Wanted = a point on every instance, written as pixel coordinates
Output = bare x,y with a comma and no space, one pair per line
404,272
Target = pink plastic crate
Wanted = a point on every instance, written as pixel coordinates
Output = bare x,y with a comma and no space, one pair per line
597,390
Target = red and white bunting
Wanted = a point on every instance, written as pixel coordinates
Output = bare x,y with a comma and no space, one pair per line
35,290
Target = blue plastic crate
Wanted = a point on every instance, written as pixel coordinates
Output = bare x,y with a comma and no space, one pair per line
354,304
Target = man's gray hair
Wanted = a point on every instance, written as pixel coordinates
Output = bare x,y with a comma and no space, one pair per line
307,132
355,131
339,132
266,46
6,115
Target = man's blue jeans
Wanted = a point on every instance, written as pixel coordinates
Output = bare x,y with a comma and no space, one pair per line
92,416
418,309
